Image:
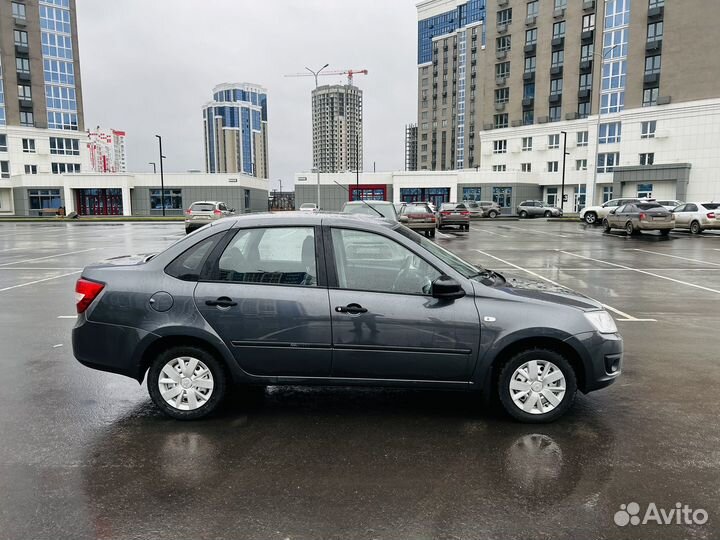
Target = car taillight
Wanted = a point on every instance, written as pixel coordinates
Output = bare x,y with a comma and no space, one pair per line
85,292
188,212
464,213
711,215
444,213
430,217
217,212
643,216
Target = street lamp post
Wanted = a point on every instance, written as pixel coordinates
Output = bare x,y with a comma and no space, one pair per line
162,175
565,153
317,165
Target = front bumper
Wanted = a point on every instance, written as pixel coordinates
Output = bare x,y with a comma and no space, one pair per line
602,357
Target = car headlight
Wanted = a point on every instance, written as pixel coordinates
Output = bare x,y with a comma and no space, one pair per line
603,321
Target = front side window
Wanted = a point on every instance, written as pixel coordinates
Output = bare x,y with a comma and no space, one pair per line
367,261
270,256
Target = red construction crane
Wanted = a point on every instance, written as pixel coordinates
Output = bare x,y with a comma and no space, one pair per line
348,72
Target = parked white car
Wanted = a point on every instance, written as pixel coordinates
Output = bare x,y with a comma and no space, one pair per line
670,204
308,207
593,215
697,216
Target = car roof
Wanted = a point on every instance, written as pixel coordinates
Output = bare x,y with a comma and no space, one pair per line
206,202
348,203
268,219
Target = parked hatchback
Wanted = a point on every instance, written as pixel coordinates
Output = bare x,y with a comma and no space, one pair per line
453,214
538,208
419,218
697,217
332,299
636,217
203,212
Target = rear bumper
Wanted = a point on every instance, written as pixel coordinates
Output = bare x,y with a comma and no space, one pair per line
602,356
107,347
421,226
454,221
655,225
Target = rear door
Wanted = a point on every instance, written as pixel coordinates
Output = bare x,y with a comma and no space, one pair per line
266,297
385,323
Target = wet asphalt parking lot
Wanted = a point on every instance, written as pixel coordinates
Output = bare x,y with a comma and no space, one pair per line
84,454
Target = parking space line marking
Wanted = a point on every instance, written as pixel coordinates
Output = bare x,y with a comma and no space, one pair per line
39,281
676,257
531,231
626,316
490,232
48,257
443,235
642,272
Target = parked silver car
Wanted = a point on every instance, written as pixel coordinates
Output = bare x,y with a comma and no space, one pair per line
640,216
371,208
451,213
490,209
670,204
538,208
203,212
697,216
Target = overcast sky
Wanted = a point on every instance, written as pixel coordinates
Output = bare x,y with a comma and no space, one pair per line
149,66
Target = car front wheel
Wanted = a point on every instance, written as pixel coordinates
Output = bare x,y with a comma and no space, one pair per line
590,218
493,214
186,382
537,386
523,214
629,228
606,226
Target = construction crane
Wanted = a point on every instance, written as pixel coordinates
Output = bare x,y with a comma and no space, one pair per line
316,74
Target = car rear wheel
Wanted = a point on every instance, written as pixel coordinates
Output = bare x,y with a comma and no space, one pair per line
664,232
629,228
493,214
537,386
606,226
186,382
695,227
523,214
590,218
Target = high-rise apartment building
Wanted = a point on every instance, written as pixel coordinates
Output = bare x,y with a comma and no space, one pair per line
501,80
235,127
107,150
337,128
41,113
411,147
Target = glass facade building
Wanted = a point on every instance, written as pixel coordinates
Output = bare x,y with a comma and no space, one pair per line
235,130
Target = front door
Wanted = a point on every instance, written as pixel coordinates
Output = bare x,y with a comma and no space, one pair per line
385,323
264,300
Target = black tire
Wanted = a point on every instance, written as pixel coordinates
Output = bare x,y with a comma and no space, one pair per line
432,233
493,214
665,232
217,370
606,226
523,214
590,218
548,214
629,228
503,385
695,227
188,230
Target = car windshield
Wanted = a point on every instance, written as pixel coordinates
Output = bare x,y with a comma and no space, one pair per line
385,208
456,263
202,207
416,209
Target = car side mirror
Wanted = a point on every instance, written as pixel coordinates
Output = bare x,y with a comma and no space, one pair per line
403,219
447,288
613,210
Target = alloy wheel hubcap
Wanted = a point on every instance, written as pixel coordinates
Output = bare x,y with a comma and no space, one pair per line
185,383
537,386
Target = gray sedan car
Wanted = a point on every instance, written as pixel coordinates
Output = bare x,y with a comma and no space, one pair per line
332,299
636,217
538,208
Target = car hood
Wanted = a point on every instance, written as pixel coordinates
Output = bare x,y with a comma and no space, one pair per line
548,292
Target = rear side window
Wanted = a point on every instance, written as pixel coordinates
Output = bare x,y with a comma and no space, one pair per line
691,208
189,265
202,207
271,256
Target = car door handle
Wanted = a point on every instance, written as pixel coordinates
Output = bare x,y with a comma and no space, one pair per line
352,309
223,301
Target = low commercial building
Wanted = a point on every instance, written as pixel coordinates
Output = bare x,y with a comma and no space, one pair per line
91,194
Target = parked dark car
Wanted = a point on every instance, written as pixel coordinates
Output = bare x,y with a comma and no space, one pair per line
332,299
538,208
454,214
418,217
636,217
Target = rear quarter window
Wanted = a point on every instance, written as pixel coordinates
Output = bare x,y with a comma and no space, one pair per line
189,265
